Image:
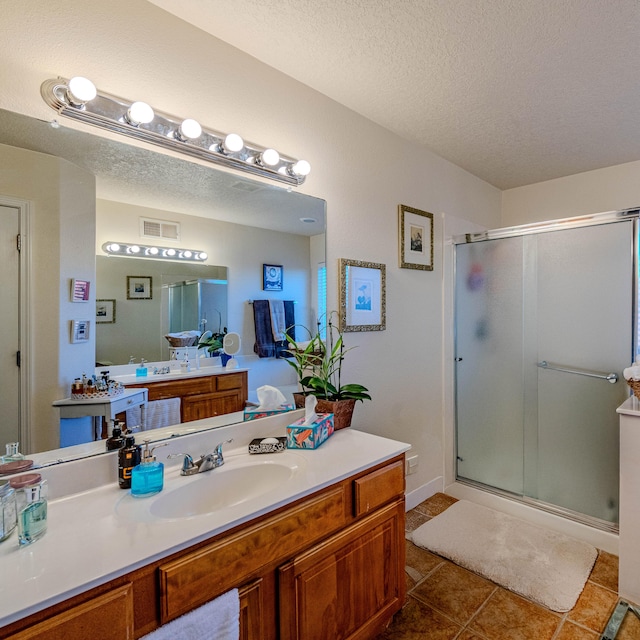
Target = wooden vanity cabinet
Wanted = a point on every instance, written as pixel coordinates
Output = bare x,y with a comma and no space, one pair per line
330,565
201,396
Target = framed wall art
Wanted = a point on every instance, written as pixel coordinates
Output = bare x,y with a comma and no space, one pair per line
105,311
80,290
80,330
362,295
272,277
139,288
415,233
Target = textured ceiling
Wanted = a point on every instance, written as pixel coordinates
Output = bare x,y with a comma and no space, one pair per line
167,183
514,91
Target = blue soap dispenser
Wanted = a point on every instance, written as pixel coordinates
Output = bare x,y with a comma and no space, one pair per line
141,370
147,478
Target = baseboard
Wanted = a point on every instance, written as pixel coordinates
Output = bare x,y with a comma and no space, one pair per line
415,497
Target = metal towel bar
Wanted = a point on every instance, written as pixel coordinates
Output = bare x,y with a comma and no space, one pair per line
609,377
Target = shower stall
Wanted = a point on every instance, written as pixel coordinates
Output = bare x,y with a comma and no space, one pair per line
545,322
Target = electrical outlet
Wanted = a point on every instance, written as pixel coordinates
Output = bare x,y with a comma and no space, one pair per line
411,465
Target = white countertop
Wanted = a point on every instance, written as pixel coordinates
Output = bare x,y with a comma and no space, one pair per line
630,407
91,539
175,374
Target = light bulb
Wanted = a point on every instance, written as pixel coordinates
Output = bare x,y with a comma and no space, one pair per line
301,168
113,247
189,129
153,251
269,157
186,254
139,113
134,248
170,252
202,255
233,143
81,90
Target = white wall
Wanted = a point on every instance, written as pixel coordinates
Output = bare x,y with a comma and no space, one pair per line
62,198
134,49
608,189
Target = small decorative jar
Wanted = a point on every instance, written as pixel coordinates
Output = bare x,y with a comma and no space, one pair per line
8,512
31,502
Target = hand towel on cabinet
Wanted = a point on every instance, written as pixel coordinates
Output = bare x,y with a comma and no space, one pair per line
216,620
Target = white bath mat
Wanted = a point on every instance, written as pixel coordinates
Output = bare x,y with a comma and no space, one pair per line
546,567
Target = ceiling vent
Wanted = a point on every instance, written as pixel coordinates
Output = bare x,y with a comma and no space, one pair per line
150,228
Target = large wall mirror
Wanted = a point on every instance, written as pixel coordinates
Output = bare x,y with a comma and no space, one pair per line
241,223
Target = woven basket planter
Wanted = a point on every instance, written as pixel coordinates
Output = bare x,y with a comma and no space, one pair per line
635,387
342,409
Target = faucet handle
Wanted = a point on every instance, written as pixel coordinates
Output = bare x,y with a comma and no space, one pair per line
217,452
187,463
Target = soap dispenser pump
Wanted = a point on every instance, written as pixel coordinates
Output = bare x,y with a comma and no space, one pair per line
147,478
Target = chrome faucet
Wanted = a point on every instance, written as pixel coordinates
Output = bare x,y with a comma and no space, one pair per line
205,463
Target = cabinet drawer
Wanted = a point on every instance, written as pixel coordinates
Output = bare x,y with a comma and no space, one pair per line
230,381
204,574
378,487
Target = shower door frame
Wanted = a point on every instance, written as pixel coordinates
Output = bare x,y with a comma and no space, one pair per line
610,217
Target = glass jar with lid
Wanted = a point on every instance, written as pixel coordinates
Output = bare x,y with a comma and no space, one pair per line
31,502
8,511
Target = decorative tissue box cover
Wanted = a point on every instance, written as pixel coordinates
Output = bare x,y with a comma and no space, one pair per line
253,413
311,436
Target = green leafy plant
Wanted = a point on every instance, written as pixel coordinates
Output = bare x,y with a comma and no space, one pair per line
318,364
212,341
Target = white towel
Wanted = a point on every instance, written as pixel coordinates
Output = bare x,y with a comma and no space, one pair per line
161,413
134,417
278,323
216,620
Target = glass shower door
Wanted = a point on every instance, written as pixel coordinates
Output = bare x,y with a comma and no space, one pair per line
560,297
584,320
489,391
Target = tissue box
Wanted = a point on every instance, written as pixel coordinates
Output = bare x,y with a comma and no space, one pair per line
310,436
253,413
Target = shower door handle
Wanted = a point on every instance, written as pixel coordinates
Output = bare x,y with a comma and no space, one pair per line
609,377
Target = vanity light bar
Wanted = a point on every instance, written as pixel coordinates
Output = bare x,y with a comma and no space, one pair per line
151,251
79,99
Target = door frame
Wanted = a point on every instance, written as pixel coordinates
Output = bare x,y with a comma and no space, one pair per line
25,212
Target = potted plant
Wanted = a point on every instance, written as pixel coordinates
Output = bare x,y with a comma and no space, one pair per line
212,342
318,364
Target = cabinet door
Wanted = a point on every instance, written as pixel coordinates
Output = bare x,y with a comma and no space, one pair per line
348,586
202,406
106,617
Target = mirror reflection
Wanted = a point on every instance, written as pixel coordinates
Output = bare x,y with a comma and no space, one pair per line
241,224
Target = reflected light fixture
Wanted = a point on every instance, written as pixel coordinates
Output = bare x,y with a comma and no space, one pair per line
154,252
79,99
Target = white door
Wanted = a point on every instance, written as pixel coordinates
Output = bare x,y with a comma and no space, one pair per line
9,326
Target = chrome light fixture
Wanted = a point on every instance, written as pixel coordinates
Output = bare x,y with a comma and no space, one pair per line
79,99
154,252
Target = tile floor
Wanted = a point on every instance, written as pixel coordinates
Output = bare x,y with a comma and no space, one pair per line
447,602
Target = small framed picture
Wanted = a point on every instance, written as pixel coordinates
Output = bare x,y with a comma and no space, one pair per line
80,290
272,277
80,330
105,311
415,234
362,295
139,288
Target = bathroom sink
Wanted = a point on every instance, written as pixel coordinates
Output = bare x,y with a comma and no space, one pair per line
240,480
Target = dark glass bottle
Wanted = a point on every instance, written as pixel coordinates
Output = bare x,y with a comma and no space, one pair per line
128,457
116,440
